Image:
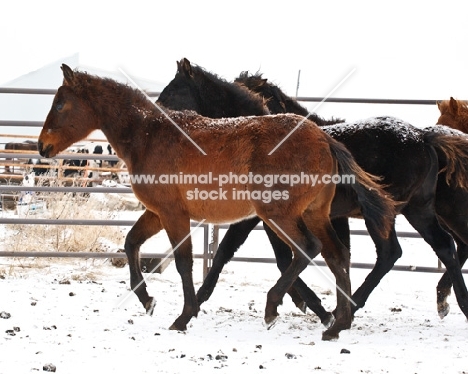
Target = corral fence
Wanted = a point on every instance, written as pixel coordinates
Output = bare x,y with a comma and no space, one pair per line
210,232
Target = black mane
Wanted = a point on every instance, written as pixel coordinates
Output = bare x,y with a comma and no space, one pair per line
277,100
193,88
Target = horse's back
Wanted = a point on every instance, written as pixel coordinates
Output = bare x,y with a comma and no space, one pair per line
387,147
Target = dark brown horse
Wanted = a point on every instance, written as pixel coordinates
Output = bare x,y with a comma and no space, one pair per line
184,143
452,203
449,203
390,143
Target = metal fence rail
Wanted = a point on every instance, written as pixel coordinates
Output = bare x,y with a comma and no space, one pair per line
37,91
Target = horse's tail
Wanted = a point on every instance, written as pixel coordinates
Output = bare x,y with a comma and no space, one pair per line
377,206
452,151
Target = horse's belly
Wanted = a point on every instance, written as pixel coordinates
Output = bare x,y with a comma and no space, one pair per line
220,211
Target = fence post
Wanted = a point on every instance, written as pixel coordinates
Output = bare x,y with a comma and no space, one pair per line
205,249
210,248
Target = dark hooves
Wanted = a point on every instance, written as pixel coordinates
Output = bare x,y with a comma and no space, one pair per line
329,320
329,335
270,321
443,310
302,307
150,305
174,326
178,325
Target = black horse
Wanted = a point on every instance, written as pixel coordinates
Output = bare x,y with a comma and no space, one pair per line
404,156
451,198
452,211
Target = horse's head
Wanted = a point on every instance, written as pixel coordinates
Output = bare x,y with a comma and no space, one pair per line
181,92
277,101
254,82
194,88
454,114
71,117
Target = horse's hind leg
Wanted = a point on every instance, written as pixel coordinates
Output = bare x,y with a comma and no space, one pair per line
304,245
388,252
234,238
444,287
426,223
337,257
283,256
146,226
457,226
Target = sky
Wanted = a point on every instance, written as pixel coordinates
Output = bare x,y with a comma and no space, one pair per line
400,49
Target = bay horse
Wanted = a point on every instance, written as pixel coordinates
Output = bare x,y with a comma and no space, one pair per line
450,201
184,143
454,114
206,94
194,88
413,183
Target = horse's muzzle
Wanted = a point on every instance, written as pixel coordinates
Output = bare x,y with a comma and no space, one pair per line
44,152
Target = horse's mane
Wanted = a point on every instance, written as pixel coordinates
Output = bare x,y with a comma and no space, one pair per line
277,100
90,87
242,94
208,76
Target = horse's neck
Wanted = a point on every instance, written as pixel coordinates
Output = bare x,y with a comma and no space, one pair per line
124,129
231,99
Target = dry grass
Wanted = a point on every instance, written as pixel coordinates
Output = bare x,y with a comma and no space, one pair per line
65,238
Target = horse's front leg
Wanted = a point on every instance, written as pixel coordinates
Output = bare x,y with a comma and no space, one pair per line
146,226
178,230
232,240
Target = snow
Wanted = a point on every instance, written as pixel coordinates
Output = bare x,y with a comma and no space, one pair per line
81,316
400,128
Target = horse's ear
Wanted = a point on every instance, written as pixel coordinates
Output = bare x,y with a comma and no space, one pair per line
184,67
67,74
453,106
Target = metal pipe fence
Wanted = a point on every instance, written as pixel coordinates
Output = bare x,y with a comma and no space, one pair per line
209,250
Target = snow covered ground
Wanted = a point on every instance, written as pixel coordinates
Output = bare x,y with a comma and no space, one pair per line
80,317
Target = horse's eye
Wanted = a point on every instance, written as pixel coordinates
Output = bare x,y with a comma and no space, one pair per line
59,106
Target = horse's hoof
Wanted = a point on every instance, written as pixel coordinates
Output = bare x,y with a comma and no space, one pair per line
176,326
271,322
329,336
302,307
329,321
150,305
443,310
